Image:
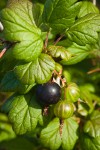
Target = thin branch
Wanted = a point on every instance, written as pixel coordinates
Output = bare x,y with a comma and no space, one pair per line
5,49
46,41
58,39
3,52
93,71
61,126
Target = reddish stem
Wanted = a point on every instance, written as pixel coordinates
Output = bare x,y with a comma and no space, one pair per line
46,41
61,126
58,39
93,71
59,74
3,52
6,48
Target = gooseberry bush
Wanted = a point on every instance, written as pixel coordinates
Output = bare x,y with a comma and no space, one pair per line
50,63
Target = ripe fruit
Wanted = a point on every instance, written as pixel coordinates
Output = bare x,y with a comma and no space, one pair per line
48,93
64,109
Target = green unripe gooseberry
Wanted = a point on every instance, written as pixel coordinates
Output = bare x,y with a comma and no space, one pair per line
72,92
63,109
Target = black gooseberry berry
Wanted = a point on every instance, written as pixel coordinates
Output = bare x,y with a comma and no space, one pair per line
48,93
64,109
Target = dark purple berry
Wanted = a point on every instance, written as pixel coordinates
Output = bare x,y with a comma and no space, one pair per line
48,93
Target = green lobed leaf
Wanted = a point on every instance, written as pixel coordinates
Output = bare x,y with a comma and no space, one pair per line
28,50
86,96
21,29
16,28
23,112
52,138
59,52
38,71
60,14
69,134
8,104
90,143
90,87
23,8
77,52
92,126
86,8
10,83
83,109
85,30
37,13
96,98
